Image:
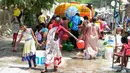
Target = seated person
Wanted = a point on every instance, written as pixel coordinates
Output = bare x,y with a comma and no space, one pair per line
124,40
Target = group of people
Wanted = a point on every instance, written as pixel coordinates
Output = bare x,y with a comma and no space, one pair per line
48,37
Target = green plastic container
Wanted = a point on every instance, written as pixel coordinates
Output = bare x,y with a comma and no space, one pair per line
70,46
70,25
64,46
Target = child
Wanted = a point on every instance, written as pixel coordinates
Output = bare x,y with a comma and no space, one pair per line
29,45
44,32
38,34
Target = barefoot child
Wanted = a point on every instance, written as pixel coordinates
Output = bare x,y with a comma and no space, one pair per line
29,45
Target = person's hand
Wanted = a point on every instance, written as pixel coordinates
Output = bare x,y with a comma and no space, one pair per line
92,36
15,48
39,44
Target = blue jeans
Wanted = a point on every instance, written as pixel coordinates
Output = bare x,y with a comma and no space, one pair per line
33,58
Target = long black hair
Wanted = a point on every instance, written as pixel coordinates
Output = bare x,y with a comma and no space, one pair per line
53,18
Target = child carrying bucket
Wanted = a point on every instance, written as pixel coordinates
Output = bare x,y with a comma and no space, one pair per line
29,45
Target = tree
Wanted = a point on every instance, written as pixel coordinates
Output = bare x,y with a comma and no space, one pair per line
34,5
96,3
30,7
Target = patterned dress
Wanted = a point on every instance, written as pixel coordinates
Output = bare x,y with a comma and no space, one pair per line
53,53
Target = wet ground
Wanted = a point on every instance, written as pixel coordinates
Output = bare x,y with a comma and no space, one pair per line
11,62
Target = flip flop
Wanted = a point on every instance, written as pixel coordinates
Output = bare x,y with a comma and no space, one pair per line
43,71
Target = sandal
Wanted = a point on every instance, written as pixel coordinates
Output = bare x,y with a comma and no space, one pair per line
43,71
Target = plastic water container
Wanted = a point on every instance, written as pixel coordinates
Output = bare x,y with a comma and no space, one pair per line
109,53
40,57
110,42
109,49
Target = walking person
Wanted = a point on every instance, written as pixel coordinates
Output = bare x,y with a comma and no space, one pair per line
29,49
91,39
75,28
53,53
53,45
84,29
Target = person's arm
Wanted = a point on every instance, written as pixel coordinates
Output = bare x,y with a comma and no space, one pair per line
45,35
80,26
34,37
107,27
16,44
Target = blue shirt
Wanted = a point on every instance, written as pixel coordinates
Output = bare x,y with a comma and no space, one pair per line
44,30
75,22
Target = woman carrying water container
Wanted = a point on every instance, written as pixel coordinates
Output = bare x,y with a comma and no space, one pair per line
29,45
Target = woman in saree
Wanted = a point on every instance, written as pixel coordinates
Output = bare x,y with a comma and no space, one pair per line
91,39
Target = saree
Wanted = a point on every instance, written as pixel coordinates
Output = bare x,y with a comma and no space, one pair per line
91,40
53,53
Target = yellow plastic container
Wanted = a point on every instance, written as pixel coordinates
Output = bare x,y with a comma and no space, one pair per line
17,12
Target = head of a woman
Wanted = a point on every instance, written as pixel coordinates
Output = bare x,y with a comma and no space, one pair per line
86,21
93,20
118,31
22,27
57,20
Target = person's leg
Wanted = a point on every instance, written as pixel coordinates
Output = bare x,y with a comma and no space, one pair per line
75,33
29,61
72,39
34,60
117,60
18,18
44,70
55,64
125,61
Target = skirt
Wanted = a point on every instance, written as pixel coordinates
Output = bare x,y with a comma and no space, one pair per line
29,49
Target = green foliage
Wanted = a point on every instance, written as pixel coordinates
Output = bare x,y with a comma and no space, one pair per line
96,3
30,7
34,5
105,43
